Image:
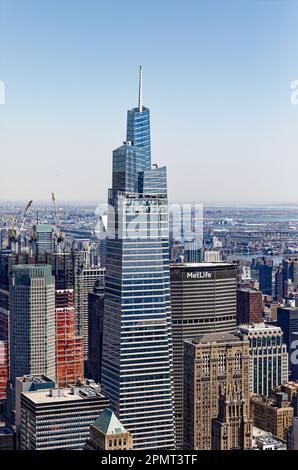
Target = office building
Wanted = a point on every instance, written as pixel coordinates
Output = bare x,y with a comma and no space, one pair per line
95,331
279,284
265,279
272,414
137,343
268,357
59,418
292,437
211,257
85,279
193,252
249,306
216,374
32,323
290,270
28,383
7,437
287,320
43,238
203,300
107,433
69,346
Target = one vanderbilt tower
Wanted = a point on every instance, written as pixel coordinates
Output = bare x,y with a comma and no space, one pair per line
137,343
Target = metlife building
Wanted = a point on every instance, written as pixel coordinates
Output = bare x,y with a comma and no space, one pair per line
203,299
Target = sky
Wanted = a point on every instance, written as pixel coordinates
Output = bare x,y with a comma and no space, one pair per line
217,78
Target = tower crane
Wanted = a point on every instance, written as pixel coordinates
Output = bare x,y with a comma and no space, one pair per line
59,234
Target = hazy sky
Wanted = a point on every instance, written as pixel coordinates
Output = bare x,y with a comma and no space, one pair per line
217,78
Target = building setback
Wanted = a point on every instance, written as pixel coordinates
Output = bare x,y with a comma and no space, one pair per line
137,342
203,300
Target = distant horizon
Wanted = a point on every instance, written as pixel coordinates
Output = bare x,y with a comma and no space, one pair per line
217,204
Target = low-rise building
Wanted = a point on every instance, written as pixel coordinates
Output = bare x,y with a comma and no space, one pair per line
272,414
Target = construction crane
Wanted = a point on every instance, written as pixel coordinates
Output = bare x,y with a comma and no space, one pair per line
17,227
58,233
24,215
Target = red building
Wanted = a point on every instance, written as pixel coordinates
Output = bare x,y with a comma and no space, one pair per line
69,347
3,369
249,306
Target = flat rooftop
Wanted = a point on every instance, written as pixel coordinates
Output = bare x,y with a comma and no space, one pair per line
214,337
37,379
201,265
258,327
59,395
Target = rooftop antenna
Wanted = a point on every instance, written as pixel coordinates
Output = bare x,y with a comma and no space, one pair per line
140,105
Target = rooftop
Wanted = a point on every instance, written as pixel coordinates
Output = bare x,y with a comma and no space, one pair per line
64,394
201,265
214,338
259,327
108,423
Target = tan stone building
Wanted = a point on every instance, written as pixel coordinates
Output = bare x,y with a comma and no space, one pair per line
216,392
272,414
107,433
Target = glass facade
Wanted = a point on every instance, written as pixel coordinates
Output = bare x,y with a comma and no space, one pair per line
137,342
138,131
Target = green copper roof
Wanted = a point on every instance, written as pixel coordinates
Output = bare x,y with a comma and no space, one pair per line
108,423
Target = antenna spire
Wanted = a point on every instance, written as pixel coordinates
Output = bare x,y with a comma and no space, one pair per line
140,104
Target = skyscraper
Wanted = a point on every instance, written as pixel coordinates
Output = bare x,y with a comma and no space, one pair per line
216,393
69,346
203,300
43,235
249,306
32,323
137,345
95,330
265,278
268,357
287,319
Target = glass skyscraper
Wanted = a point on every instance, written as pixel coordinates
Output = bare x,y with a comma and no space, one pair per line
137,341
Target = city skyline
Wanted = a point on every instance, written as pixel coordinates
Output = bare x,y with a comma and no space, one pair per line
233,97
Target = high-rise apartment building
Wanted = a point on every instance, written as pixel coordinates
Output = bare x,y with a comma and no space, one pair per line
137,343
59,418
216,393
249,306
268,357
69,346
203,300
32,323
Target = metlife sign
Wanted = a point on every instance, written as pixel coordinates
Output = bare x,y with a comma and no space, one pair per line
199,275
